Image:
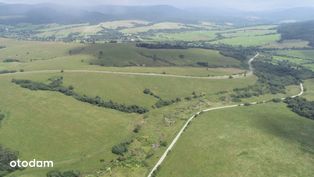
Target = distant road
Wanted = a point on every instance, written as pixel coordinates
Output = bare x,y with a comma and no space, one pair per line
250,64
126,73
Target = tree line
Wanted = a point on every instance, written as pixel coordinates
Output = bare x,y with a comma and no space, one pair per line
7,71
56,85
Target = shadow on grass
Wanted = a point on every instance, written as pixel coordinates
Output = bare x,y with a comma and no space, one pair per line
289,127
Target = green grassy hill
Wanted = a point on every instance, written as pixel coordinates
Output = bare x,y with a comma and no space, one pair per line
129,55
263,140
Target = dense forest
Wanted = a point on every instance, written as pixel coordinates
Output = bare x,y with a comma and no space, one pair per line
56,85
300,30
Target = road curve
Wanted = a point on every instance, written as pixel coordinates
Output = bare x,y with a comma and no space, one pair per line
251,69
174,141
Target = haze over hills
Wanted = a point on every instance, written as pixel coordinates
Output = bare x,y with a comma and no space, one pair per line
53,13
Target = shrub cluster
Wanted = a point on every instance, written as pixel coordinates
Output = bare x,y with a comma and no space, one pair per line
149,92
1,117
7,71
161,103
6,156
9,60
121,148
56,85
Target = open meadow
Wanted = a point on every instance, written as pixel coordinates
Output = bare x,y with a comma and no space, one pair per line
107,99
263,140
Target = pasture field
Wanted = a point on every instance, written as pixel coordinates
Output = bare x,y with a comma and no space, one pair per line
305,54
287,44
186,36
26,51
77,135
301,57
156,26
111,55
309,92
247,41
262,140
49,125
33,55
83,30
244,32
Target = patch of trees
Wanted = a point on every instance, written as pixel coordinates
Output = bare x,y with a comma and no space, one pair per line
273,78
56,85
7,71
161,103
149,92
301,106
121,149
10,60
6,156
281,74
2,47
300,30
57,173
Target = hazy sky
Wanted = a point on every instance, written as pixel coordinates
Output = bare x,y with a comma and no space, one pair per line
238,4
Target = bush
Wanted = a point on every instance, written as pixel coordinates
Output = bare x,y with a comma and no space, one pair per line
6,156
120,149
164,143
1,116
276,100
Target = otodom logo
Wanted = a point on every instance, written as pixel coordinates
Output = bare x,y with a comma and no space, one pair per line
31,164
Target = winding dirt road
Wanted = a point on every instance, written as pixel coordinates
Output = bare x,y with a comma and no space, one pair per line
174,141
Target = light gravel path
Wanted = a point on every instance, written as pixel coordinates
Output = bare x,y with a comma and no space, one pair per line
174,141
